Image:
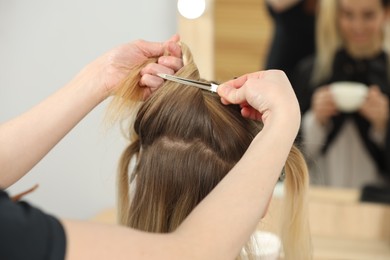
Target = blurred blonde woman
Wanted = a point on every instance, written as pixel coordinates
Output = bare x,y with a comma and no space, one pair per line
347,149
183,141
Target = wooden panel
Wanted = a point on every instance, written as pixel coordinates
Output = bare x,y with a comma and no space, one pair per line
198,34
242,34
341,226
337,213
230,39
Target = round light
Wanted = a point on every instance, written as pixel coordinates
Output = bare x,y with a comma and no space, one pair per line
191,9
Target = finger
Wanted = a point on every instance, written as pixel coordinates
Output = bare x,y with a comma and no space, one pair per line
237,82
240,81
373,92
245,104
151,82
227,90
154,69
224,101
364,108
324,99
173,48
251,113
150,49
376,87
231,94
330,112
174,38
171,62
326,107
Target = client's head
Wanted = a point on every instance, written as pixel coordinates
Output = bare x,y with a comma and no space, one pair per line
184,141
187,142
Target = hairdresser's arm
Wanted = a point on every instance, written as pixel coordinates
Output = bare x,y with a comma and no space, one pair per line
239,201
25,140
222,223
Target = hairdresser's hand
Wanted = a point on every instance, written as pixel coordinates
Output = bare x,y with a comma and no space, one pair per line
376,109
323,105
21,139
262,95
110,69
170,63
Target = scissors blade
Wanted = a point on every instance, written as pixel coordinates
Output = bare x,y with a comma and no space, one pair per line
203,85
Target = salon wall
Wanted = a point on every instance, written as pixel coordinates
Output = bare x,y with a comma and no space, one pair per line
230,39
43,44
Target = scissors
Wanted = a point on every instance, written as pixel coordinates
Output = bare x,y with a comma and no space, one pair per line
195,83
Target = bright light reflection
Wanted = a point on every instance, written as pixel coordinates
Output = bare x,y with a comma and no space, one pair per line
191,9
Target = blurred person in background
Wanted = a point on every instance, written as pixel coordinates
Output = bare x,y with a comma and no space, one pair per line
293,38
347,149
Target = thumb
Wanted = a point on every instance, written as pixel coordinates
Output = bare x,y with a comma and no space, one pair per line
375,88
174,38
156,49
231,95
173,49
151,49
172,46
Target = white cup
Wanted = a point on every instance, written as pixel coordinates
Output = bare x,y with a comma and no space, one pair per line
348,95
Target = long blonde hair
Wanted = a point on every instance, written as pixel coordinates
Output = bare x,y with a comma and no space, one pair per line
184,141
328,40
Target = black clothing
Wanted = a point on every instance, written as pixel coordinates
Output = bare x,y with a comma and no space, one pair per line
293,38
372,71
28,233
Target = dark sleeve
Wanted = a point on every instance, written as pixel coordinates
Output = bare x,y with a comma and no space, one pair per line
300,81
292,39
28,233
386,170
